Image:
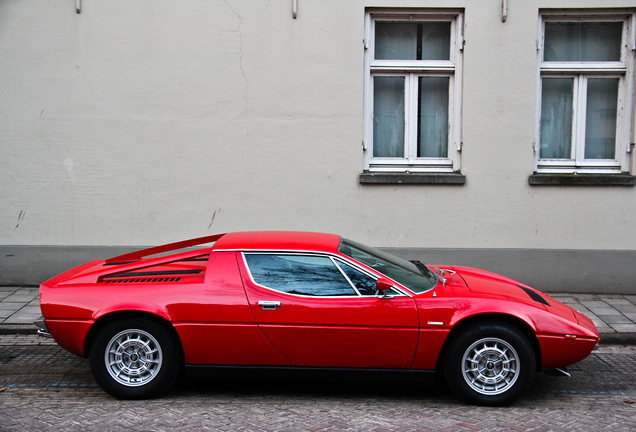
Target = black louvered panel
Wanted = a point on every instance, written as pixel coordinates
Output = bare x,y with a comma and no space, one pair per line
149,280
196,258
154,273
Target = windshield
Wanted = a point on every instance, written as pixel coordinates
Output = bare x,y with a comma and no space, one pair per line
404,272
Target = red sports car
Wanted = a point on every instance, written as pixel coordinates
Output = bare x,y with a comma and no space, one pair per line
298,300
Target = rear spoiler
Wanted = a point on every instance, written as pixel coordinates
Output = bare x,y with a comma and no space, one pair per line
140,254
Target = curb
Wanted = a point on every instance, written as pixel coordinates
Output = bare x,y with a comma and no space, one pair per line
618,339
20,329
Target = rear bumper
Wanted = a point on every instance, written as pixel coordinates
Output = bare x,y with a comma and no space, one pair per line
70,334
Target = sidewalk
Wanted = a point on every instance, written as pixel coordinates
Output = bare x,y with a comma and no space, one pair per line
19,308
613,315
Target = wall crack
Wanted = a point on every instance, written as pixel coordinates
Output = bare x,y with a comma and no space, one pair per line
238,29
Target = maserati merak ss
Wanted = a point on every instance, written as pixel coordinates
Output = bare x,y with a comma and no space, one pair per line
306,301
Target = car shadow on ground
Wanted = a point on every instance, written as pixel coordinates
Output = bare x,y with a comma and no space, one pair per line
317,384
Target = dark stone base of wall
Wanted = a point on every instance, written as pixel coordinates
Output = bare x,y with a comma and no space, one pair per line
549,270
32,265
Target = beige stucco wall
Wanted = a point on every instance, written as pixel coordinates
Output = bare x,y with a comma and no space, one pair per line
139,123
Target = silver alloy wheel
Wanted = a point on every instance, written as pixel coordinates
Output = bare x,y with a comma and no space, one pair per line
133,357
490,366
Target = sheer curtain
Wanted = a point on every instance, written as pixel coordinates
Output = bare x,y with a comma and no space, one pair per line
388,116
395,41
600,121
581,42
433,117
412,41
435,41
556,118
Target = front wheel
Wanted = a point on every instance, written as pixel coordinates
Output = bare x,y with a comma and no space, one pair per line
135,358
490,363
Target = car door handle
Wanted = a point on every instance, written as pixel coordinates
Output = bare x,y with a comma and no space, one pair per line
269,305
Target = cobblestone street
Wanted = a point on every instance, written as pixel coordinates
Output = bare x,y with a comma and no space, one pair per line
46,388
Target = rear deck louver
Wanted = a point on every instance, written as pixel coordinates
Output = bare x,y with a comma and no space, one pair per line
136,277
125,281
196,258
154,273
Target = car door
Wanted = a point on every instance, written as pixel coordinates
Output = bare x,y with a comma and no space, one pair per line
319,310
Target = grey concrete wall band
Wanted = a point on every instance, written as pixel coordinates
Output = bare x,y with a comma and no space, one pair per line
549,270
32,265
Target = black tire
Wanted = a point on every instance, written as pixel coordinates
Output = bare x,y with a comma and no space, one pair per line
490,363
135,358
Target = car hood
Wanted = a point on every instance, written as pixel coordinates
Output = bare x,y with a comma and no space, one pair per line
491,284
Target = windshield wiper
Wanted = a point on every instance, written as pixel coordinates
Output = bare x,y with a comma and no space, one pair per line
427,271
441,272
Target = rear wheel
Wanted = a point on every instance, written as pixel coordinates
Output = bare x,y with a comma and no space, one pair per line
490,364
135,358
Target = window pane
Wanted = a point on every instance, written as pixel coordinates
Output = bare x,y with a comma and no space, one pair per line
583,41
435,41
433,117
299,274
412,41
365,284
556,118
395,41
600,118
388,116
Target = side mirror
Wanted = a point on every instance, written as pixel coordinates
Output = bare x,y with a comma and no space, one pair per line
383,285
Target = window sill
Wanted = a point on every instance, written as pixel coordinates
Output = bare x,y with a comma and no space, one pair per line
582,180
412,178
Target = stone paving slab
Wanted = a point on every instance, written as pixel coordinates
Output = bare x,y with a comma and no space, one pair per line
614,315
19,306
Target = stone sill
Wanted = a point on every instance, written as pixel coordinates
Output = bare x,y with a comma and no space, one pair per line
582,180
412,178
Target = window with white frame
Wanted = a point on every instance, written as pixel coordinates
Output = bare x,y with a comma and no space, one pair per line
413,63
585,92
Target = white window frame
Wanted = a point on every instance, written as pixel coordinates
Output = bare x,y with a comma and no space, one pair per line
581,72
411,70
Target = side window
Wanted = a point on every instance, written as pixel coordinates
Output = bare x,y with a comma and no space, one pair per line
298,274
364,284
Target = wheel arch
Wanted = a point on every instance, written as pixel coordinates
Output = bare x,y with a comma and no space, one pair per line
104,320
519,324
